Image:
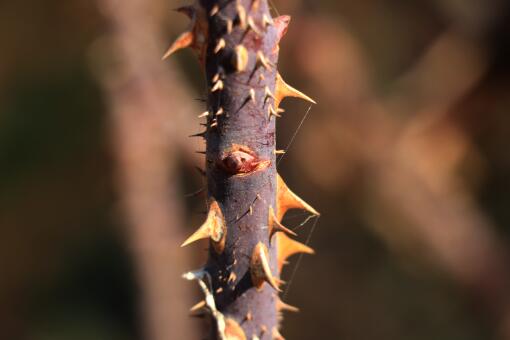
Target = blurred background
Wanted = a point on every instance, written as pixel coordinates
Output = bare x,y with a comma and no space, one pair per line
406,156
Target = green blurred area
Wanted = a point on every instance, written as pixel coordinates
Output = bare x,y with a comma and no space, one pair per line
66,269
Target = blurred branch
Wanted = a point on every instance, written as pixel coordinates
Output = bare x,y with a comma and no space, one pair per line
149,106
411,147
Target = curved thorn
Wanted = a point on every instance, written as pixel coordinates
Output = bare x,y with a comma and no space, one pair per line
286,200
288,247
282,306
220,45
198,306
233,331
259,268
285,90
276,334
214,228
274,225
184,40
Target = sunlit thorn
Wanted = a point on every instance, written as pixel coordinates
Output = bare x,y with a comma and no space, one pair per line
262,60
230,25
254,5
233,331
267,20
282,90
275,226
260,270
276,334
252,26
273,112
214,10
282,306
248,317
220,45
252,95
287,247
204,114
286,199
217,86
183,41
198,306
241,15
232,278
200,134
268,94
240,58
214,228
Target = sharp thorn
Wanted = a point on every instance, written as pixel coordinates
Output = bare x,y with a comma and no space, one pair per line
217,86
274,225
214,228
285,90
220,45
286,200
282,306
273,112
198,306
262,60
214,10
260,270
276,334
252,26
183,41
233,331
267,20
288,247
240,58
200,134
230,25
241,15
252,95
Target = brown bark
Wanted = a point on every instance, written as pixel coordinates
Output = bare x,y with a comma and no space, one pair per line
244,195
237,44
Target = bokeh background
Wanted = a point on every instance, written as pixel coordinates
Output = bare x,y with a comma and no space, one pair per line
406,156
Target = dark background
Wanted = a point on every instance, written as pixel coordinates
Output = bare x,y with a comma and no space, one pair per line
406,156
